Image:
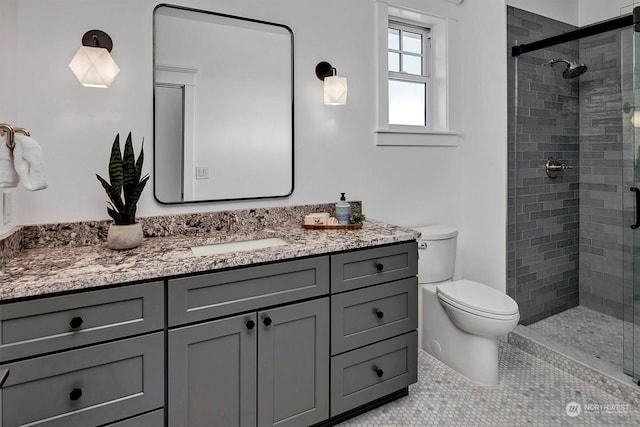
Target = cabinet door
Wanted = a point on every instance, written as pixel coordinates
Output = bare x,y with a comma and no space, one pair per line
293,364
212,373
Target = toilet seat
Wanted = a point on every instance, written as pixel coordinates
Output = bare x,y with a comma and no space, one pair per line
478,299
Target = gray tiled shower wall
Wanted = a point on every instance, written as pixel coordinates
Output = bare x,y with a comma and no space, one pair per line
601,172
564,236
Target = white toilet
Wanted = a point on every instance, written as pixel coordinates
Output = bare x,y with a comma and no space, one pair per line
459,321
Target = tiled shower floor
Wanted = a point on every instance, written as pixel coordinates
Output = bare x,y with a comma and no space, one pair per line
531,392
597,334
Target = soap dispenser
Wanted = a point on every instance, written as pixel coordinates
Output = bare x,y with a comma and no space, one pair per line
343,211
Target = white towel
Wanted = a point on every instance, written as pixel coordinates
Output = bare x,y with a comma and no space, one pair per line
8,176
29,163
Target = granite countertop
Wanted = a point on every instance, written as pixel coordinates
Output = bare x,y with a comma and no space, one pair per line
45,270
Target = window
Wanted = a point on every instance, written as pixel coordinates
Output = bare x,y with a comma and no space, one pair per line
409,66
418,66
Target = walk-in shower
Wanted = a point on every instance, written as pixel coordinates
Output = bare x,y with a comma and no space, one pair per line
573,150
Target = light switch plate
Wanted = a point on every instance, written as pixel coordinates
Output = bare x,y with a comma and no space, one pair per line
202,172
7,207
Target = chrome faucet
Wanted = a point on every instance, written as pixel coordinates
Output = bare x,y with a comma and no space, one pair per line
232,222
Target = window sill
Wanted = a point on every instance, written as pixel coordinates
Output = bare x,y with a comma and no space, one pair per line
416,137
419,131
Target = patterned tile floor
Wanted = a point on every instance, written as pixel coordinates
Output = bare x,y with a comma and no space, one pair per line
531,392
588,330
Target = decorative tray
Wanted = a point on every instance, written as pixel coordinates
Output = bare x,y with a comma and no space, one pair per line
332,227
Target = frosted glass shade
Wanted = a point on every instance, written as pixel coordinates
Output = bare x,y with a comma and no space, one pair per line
635,119
94,66
335,90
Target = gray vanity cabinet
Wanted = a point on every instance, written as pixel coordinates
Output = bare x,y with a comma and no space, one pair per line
374,318
262,368
83,359
289,343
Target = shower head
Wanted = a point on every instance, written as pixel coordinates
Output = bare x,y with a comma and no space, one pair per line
573,69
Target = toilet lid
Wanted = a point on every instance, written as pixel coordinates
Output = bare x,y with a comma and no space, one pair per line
437,232
478,297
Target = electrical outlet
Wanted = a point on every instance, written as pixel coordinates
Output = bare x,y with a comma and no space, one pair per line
202,172
7,208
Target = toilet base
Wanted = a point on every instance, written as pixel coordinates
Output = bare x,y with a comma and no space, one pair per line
473,356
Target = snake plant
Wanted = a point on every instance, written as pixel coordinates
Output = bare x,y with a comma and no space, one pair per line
125,180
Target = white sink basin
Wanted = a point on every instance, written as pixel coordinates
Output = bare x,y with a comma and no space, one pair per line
246,245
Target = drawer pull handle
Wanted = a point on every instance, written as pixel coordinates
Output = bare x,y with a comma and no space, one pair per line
380,314
379,266
75,394
267,321
379,372
76,322
251,324
4,373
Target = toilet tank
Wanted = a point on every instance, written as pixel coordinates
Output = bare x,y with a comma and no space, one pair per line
436,253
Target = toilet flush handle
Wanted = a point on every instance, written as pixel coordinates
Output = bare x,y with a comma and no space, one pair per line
422,245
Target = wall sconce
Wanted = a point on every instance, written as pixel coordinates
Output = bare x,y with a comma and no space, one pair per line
93,64
635,116
335,87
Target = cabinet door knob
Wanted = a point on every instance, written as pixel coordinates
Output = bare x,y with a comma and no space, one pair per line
379,372
267,321
76,322
75,394
250,324
379,266
380,314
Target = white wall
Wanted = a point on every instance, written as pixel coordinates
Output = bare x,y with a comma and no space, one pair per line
8,41
483,154
576,12
591,11
334,145
561,10
464,186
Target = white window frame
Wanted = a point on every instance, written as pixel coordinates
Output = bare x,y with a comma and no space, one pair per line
443,120
424,77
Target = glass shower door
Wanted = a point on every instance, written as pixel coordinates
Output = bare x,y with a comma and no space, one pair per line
631,199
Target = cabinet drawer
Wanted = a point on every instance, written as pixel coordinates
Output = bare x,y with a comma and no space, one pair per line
89,386
219,294
371,372
58,323
373,314
152,419
353,270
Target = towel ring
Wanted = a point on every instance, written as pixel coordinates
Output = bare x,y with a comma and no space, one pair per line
9,132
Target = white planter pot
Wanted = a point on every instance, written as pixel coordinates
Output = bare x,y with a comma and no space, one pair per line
122,237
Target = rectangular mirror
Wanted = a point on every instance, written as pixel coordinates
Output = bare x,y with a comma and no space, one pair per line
223,107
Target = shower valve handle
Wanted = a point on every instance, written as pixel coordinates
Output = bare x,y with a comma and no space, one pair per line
554,167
